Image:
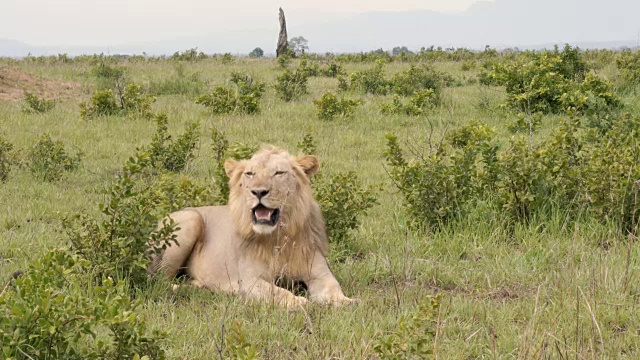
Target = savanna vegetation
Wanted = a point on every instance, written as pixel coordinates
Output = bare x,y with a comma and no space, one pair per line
479,204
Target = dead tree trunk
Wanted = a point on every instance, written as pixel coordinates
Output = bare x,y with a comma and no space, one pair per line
282,38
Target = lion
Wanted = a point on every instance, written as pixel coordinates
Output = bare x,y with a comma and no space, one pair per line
272,228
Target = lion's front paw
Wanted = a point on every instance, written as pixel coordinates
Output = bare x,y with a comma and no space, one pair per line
296,302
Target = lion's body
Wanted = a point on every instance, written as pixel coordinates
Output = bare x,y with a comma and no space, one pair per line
272,228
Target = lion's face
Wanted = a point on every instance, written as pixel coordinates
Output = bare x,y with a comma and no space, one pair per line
266,190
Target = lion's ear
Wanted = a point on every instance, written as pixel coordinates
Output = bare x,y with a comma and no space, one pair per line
230,166
309,164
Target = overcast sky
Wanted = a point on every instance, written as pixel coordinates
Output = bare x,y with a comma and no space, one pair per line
112,22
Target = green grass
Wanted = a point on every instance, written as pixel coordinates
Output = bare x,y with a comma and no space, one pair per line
555,290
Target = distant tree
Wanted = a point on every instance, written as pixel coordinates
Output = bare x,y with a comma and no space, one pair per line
256,53
399,50
298,45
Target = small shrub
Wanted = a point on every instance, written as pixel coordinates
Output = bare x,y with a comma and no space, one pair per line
102,104
414,79
131,102
58,312
439,186
48,160
329,106
34,104
291,85
371,81
238,345
119,242
243,98
168,154
7,159
344,201
308,69
134,102
418,104
189,55
333,69
468,65
227,59
628,63
412,337
223,151
525,123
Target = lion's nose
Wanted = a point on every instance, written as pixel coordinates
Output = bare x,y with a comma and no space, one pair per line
260,193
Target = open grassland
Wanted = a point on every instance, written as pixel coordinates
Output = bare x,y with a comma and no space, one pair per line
551,287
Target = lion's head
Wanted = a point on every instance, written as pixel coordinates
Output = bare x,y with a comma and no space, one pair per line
271,191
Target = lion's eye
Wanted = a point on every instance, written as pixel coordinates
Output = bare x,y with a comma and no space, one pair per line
280,173
249,173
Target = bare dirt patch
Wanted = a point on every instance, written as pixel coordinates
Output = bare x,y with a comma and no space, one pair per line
13,84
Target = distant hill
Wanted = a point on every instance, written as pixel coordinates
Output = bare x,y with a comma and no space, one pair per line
501,24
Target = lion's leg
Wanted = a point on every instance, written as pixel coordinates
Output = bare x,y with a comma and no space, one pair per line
175,256
323,286
257,283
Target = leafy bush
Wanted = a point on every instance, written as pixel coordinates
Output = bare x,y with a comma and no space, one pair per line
371,81
291,85
58,312
307,68
343,200
525,123
628,63
244,97
7,158
48,160
102,104
189,55
333,69
131,102
408,82
34,104
552,82
168,154
329,106
412,337
118,243
420,103
224,151
437,187
227,59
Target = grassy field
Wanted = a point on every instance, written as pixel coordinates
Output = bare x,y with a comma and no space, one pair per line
551,289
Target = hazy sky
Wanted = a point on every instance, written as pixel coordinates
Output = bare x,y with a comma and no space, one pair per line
112,22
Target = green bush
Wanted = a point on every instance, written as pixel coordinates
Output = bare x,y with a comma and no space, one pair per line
119,243
291,85
227,59
371,81
256,53
7,158
439,186
333,69
329,106
343,200
130,102
48,160
243,98
189,55
34,104
552,82
169,154
102,104
525,123
224,151
58,312
422,101
412,337
416,78
628,63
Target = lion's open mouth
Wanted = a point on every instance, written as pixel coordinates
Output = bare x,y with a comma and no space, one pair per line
263,215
